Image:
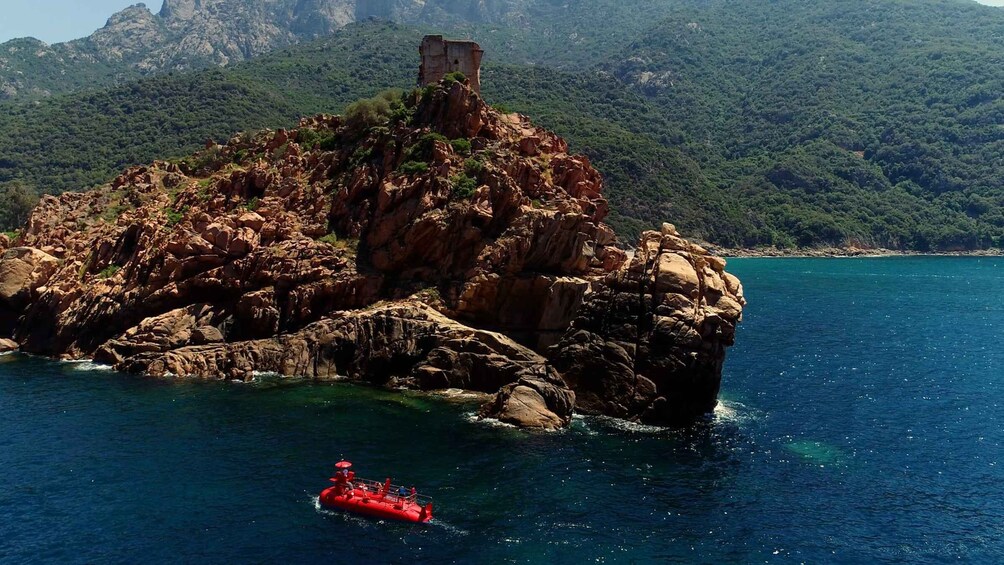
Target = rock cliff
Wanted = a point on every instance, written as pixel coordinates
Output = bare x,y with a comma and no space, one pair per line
429,243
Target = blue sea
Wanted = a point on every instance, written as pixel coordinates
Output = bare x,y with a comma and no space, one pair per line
861,422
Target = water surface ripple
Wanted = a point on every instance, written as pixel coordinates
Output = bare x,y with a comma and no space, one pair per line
860,423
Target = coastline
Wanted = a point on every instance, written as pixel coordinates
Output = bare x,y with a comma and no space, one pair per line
844,253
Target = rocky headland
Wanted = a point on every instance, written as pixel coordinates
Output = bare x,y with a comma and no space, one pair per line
438,244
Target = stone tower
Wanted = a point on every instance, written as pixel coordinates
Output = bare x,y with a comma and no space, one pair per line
441,56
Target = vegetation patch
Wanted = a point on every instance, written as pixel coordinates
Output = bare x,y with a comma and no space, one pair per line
463,186
455,76
413,167
109,271
474,166
174,217
333,240
365,114
330,239
461,146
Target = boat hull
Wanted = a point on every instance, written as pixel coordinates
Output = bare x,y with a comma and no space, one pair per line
386,507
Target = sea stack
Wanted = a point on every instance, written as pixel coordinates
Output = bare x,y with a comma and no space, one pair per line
441,244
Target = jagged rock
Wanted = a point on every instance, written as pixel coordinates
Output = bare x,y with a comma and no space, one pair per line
350,265
533,402
23,271
406,344
206,335
649,342
8,345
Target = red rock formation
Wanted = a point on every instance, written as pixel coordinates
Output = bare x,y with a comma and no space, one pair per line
650,340
386,253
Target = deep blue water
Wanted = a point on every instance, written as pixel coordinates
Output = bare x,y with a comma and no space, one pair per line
861,423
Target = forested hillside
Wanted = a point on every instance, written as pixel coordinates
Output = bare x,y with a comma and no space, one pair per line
75,141
876,121
785,123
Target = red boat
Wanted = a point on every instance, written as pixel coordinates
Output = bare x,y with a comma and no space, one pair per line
371,498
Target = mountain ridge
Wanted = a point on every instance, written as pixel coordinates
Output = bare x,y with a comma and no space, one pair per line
193,34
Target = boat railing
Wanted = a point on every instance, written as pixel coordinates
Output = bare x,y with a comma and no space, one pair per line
377,490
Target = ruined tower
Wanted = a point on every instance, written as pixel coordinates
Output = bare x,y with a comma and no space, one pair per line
441,56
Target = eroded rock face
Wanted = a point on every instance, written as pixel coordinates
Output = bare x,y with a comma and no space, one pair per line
23,271
650,340
399,258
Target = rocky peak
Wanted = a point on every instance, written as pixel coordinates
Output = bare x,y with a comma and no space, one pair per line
430,243
129,34
179,9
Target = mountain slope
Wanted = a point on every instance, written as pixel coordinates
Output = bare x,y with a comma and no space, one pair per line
786,123
75,141
192,34
782,97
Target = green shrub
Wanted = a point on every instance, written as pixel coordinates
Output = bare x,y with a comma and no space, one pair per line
431,137
112,214
333,240
308,138
422,150
413,167
253,204
174,217
463,186
360,156
17,201
330,239
328,143
203,161
109,271
461,146
364,114
473,166
455,76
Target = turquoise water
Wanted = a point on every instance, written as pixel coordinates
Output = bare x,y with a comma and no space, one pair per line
861,423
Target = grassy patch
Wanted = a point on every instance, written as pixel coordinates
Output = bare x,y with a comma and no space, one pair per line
413,167
174,217
109,271
339,243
